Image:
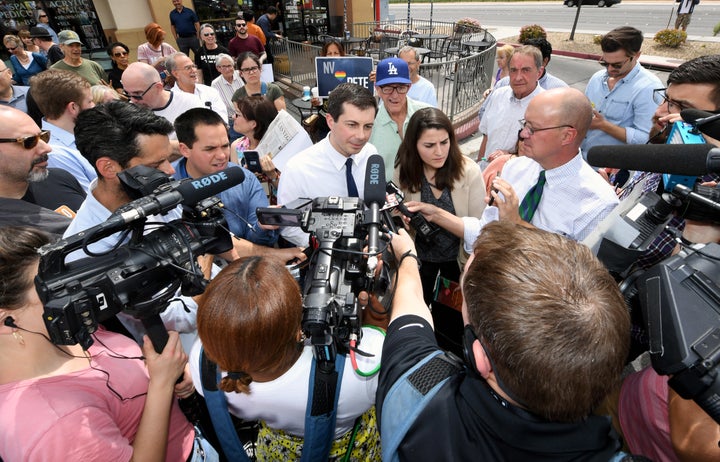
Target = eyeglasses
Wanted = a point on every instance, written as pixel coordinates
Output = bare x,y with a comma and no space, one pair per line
225,66
401,89
660,97
120,53
29,142
42,16
3,70
249,70
616,66
208,34
526,126
141,95
189,67
240,25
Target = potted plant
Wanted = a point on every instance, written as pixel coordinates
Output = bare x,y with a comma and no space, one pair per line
467,25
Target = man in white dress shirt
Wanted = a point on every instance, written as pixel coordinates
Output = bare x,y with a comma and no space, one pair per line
321,170
573,197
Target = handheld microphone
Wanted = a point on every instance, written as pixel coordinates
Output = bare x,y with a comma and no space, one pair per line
679,159
707,122
375,199
187,192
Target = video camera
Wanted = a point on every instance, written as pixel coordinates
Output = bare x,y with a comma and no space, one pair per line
339,269
679,297
140,276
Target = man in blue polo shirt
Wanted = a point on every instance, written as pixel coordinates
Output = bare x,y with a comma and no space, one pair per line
185,27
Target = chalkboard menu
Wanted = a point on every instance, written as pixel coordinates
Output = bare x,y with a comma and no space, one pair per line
77,15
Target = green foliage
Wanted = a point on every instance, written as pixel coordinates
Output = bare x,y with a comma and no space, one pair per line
532,31
716,29
467,25
597,39
672,38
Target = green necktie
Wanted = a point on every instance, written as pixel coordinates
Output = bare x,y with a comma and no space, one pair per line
530,203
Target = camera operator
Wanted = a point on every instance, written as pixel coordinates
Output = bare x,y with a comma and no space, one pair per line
249,323
113,137
546,336
205,147
111,402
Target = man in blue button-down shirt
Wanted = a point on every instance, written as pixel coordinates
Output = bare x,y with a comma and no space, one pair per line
205,147
622,94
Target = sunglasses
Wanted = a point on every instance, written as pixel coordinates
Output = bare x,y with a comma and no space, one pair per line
616,66
209,34
120,53
12,49
29,142
240,25
42,16
141,95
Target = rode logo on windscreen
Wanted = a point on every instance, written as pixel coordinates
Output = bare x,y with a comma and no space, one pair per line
208,180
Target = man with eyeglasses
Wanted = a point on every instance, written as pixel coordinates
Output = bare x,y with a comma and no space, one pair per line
32,194
243,41
549,186
422,89
143,86
622,94
392,83
62,96
180,66
12,95
505,105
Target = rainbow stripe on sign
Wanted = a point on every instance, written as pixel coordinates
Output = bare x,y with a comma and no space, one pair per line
340,75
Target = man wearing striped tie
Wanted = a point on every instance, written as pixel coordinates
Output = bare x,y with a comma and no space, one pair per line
549,186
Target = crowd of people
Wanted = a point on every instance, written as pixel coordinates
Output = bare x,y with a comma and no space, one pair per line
543,331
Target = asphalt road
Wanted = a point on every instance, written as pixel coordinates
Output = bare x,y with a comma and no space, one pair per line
649,17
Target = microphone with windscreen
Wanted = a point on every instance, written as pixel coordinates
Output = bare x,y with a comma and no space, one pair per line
678,159
707,122
374,199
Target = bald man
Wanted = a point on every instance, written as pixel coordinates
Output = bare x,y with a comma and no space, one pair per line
571,199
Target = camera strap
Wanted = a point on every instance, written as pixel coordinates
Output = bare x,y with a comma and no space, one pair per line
320,414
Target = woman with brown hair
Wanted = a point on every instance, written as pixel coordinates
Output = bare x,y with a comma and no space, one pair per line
250,68
155,48
253,116
118,401
434,174
28,42
249,323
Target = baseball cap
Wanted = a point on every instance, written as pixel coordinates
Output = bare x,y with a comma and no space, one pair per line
392,70
67,37
39,32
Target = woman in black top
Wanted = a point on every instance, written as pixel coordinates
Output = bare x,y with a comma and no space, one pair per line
119,54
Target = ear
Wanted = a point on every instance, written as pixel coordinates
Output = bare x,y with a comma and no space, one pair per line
107,167
330,121
184,149
73,108
482,363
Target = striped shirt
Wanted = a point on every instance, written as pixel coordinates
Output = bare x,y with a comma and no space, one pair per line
227,90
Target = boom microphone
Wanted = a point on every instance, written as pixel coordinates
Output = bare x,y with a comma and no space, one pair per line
706,122
187,192
375,199
678,159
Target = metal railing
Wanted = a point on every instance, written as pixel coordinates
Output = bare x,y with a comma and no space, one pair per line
460,76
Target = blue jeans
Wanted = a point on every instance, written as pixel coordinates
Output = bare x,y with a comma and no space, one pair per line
203,450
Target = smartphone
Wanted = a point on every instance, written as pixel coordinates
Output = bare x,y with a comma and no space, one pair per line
252,161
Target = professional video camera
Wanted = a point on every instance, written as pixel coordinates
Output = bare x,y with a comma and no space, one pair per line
680,297
338,269
141,276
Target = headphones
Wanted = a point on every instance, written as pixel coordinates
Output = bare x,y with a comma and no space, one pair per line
10,322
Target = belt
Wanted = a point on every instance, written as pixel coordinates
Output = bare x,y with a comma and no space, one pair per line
187,35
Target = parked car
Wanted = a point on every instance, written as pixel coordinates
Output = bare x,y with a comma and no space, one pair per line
599,3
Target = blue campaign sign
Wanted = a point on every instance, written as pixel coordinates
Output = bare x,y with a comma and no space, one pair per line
331,72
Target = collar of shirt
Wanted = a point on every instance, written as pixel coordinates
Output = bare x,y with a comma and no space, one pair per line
58,135
630,75
569,171
537,90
